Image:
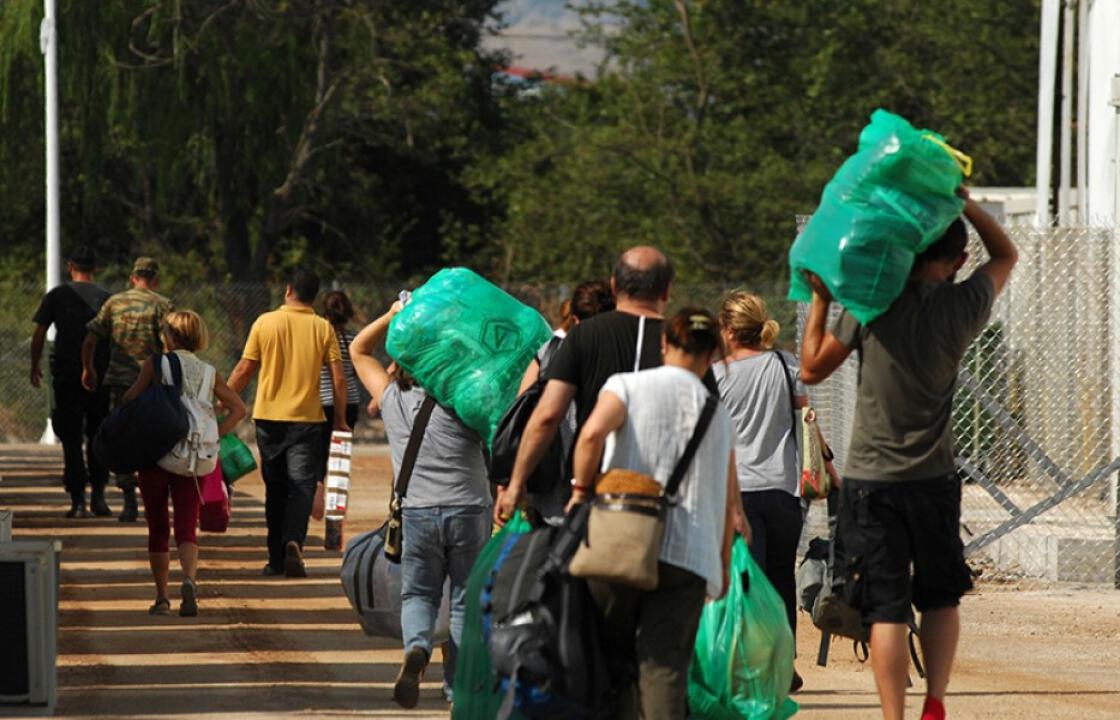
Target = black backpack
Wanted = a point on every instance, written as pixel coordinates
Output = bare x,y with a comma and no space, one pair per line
543,628
507,438
138,434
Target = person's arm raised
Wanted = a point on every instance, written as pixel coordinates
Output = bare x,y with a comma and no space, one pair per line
821,352
1002,254
371,373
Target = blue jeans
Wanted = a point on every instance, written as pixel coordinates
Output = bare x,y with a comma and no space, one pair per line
439,542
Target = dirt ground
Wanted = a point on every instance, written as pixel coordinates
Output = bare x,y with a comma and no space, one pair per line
266,647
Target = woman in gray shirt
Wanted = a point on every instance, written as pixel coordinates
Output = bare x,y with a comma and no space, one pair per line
761,388
446,511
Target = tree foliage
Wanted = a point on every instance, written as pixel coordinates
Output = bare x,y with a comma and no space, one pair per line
369,138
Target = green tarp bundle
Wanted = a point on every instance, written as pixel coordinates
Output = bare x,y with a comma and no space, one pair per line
885,205
743,662
476,696
467,343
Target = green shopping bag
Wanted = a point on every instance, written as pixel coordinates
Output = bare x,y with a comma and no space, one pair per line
476,695
467,342
743,663
886,204
236,458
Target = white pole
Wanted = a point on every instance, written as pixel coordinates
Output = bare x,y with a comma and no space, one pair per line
1083,112
48,43
1064,143
1047,62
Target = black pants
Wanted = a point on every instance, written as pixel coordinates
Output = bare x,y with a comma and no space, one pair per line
291,466
78,412
776,520
328,427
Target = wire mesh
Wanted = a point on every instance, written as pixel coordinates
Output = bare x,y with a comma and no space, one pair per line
1033,421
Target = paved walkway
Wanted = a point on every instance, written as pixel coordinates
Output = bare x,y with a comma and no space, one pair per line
259,647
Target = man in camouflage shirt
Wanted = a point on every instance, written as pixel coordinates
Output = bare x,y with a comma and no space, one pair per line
130,320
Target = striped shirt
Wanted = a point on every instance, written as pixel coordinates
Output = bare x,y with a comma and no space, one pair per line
326,390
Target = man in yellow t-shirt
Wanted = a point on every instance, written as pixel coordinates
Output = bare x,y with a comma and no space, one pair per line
289,347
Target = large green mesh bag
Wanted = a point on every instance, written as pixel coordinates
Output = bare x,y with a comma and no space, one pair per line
887,203
743,662
476,694
467,343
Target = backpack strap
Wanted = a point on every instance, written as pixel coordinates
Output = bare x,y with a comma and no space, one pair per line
706,414
206,385
419,428
544,358
638,346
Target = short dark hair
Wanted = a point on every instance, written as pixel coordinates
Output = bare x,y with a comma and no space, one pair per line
591,298
337,308
650,283
83,258
949,246
305,284
694,330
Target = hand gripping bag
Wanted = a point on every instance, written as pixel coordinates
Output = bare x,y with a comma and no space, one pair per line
467,343
886,204
743,662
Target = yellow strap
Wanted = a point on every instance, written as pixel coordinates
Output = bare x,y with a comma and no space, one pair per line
964,161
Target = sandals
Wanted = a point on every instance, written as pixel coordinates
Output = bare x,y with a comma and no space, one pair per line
162,606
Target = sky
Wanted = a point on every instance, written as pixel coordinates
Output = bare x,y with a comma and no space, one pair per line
537,34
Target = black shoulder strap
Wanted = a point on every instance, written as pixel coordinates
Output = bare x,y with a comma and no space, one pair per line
675,479
419,428
81,296
789,386
176,368
544,359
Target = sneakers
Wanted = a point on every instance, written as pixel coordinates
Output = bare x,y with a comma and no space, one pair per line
270,571
78,510
406,690
162,606
933,709
293,561
188,602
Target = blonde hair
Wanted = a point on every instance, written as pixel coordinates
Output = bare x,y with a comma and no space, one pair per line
745,316
186,329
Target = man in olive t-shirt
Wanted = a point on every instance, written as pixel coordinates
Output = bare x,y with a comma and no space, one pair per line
900,503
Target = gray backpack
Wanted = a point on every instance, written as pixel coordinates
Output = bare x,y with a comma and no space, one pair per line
373,586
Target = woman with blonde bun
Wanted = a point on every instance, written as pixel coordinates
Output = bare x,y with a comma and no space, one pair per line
761,388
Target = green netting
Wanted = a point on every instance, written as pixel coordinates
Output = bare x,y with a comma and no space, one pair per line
475,695
467,343
743,663
886,204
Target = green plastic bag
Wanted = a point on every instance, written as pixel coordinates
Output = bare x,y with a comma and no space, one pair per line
476,694
885,205
236,458
467,343
743,663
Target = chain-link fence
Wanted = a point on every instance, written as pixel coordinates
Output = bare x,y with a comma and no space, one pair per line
1033,421
229,311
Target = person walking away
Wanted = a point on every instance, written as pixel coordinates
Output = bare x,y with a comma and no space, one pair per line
642,422
622,340
445,515
130,322
289,346
184,333
588,299
901,496
76,411
339,311
761,388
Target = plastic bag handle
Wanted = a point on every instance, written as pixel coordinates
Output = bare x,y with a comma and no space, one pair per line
964,161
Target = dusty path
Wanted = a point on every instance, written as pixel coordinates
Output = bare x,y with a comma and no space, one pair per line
277,647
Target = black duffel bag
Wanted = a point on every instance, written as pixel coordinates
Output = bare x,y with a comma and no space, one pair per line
139,433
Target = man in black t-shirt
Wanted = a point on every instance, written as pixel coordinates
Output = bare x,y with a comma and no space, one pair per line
69,307
623,340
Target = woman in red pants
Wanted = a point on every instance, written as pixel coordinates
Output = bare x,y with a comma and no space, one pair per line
184,333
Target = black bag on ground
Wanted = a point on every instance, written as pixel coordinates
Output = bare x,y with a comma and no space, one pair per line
139,433
544,629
